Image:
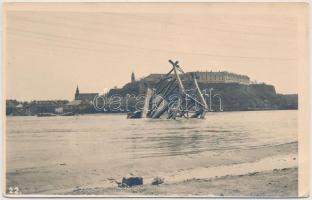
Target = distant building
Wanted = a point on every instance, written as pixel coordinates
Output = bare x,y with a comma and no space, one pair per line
83,103
47,106
221,77
208,77
74,103
19,106
153,77
79,106
59,110
88,97
132,78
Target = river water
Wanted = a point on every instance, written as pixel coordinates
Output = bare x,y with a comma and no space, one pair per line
48,154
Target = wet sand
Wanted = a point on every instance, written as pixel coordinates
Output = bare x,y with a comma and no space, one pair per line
266,171
273,183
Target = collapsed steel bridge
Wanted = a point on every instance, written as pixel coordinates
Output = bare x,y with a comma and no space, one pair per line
175,95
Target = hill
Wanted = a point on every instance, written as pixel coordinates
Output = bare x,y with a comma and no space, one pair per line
235,96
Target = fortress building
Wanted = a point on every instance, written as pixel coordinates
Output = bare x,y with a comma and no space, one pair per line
209,77
221,77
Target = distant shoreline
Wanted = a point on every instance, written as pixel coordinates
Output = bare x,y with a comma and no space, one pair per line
124,113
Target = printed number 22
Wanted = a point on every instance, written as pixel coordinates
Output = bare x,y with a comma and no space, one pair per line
14,190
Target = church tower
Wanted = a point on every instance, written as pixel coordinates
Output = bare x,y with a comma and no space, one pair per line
132,78
77,93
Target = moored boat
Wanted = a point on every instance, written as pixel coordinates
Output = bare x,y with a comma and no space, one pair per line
46,115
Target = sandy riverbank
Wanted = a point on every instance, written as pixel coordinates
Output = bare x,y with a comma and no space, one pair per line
278,182
260,174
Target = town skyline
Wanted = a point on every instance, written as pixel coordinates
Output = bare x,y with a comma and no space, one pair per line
98,48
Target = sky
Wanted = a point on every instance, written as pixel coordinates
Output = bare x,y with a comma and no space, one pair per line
50,49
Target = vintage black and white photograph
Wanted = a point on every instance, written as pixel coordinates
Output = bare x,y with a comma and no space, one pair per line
155,99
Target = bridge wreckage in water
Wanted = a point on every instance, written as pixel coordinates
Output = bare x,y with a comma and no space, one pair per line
170,98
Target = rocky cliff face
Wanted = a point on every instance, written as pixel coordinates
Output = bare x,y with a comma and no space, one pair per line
238,97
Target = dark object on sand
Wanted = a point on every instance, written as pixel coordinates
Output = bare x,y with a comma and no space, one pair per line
129,182
157,181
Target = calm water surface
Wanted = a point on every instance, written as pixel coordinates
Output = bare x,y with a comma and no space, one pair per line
113,143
